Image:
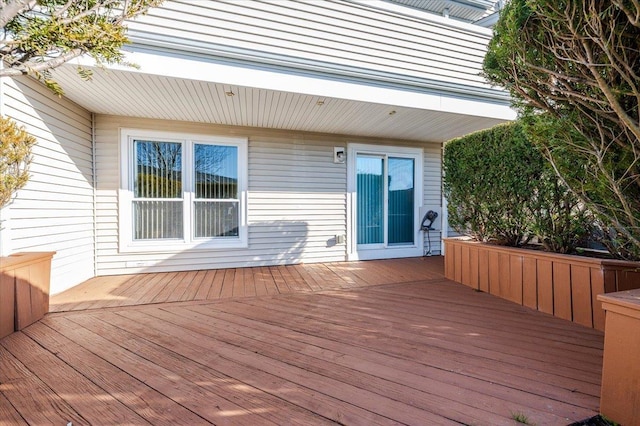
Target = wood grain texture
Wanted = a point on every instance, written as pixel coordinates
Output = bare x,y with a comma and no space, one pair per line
581,298
7,303
597,287
530,283
361,343
563,285
562,290
217,284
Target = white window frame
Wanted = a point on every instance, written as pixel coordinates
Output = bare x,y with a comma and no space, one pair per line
126,242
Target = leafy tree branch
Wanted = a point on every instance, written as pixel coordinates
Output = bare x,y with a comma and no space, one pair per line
38,36
573,69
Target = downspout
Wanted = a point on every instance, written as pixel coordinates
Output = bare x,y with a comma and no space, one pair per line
94,183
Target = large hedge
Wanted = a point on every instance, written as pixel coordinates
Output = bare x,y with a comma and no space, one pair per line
573,70
500,189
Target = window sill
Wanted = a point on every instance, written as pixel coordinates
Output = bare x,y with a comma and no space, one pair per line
159,246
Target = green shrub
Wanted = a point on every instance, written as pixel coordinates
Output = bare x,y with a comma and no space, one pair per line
500,189
558,219
489,177
572,67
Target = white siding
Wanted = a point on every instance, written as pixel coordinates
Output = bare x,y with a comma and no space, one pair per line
433,193
296,198
367,39
54,212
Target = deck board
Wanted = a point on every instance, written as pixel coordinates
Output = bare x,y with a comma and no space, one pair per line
358,343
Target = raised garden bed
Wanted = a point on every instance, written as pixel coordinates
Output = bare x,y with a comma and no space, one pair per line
24,290
562,285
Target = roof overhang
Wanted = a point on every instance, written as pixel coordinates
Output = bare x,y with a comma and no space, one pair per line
176,86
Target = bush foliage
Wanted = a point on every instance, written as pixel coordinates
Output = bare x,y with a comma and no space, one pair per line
42,35
500,189
15,157
573,70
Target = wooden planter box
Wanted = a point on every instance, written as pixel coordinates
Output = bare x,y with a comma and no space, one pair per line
24,290
620,393
562,285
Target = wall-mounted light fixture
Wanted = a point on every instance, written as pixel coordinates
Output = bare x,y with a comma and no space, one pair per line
339,154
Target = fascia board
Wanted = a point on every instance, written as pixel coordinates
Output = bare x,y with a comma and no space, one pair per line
419,15
199,69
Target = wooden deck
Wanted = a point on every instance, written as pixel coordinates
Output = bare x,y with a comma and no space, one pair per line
381,342
142,289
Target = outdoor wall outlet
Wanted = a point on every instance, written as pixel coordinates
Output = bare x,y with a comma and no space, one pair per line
340,239
139,264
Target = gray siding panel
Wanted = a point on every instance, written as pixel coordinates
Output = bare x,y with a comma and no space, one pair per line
348,38
296,199
54,212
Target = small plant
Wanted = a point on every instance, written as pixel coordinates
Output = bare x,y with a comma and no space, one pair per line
521,418
15,157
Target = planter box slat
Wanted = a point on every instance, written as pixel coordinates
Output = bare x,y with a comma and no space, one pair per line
529,279
474,276
562,290
449,267
466,270
483,270
610,284
7,303
505,276
581,295
562,285
494,273
597,287
545,286
457,273
515,283
627,280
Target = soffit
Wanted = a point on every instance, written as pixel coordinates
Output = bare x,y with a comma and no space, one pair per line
135,94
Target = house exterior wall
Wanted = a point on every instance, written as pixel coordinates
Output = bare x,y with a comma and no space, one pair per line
54,211
296,202
368,39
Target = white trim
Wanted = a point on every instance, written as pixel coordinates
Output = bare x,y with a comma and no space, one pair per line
426,16
388,252
5,230
125,194
5,223
444,224
94,193
203,69
444,232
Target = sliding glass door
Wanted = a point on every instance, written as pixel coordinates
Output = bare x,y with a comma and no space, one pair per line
401,201
371,199
386,202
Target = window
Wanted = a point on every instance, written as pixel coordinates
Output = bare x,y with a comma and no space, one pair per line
182,191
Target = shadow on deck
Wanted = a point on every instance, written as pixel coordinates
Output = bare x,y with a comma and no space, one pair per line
379,342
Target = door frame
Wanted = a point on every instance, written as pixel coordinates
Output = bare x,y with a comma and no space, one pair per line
389,252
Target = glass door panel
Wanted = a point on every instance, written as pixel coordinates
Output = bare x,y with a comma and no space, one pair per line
401,201
370,172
